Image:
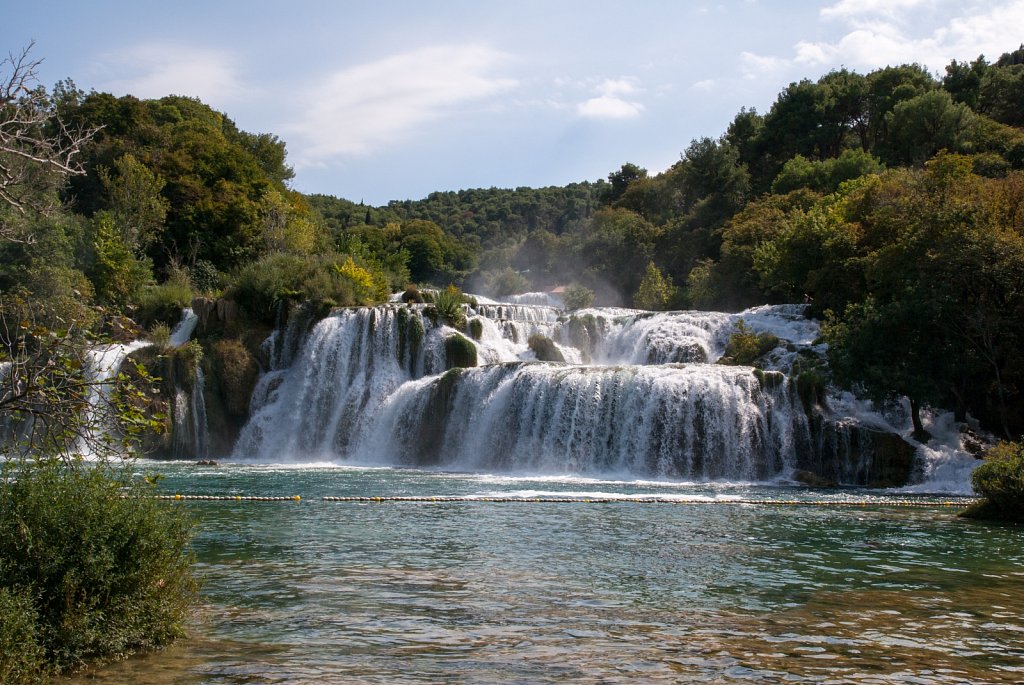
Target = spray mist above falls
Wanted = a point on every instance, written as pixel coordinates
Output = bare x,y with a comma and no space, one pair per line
630,394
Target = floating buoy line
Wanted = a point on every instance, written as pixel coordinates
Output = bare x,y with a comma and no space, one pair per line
467,499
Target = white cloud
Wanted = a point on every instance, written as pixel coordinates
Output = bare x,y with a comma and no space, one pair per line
617,87
153,71
609,104
845,9
706,84
363,108
885,32
754,66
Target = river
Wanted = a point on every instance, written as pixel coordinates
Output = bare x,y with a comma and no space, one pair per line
837,586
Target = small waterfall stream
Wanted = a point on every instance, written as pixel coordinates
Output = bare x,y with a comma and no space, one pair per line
190,432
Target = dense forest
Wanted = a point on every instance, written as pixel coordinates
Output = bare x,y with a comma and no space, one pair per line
891,201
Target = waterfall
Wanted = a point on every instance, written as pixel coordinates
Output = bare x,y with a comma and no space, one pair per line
103,364
350,362
691,422
182,332
191,438
639,395
200,429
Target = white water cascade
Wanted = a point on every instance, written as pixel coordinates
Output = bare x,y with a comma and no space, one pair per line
103,365
638,396
182,332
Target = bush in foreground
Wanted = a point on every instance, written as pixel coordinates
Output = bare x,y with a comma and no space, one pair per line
91,567
1000,481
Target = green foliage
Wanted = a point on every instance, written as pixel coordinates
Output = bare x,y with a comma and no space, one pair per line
205,278
22,658
117,274
107,567
288,225
577,297
134,202
460,352
612,256
745,347
619,181
476,328
701,287
369,286
237,372
449,305
923,125
262,286
164,302
1000,480
214,177
544,348
825,176
1001,94
160,335
506,281
656,292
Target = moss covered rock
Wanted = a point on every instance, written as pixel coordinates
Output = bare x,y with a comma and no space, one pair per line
459,351
544,349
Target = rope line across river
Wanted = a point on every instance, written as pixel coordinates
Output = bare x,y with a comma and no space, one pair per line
960,502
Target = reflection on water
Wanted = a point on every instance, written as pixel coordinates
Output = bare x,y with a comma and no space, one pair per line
480,592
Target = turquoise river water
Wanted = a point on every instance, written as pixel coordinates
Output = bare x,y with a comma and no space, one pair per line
696,588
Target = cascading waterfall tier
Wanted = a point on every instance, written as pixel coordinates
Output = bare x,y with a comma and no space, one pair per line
691,422
371,385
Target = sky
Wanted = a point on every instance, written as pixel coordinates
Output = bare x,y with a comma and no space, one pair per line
392,100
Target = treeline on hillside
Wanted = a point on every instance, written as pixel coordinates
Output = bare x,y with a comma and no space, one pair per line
889,199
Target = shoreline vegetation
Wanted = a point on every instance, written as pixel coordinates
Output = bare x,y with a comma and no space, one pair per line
889,202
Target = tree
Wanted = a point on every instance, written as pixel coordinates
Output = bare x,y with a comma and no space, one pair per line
963,80
923,125
1002,94
38,149
825,176
134,201
117,274
620,180
656,292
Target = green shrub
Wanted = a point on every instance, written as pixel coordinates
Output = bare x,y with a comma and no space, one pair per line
160,335
412,295
1000,481
746,347
459,351
22,658
205,278
163,303
476,328
577,297
237,372
261,286
107,566
448,304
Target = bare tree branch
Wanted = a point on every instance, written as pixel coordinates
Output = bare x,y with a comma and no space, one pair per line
38,150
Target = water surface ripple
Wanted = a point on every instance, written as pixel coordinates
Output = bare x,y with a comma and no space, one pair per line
484,592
